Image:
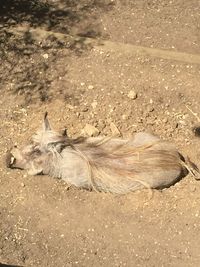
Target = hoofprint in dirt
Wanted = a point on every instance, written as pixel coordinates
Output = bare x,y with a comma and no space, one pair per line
43,222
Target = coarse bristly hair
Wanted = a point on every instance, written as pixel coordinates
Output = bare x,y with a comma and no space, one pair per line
103,164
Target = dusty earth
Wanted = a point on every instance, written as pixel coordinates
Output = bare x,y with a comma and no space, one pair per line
85,65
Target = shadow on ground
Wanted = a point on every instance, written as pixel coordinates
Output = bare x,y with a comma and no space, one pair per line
75,18
59,15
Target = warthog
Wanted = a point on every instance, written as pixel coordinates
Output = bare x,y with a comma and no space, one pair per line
103,164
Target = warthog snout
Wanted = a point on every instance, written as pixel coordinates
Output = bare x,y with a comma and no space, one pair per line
15,159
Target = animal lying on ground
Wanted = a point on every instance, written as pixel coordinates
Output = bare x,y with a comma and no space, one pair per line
103,164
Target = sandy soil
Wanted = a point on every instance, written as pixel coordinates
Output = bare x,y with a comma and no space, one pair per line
90,75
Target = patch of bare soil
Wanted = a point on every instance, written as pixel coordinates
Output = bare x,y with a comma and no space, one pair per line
44,222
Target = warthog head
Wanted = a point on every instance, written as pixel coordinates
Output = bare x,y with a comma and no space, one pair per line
33,157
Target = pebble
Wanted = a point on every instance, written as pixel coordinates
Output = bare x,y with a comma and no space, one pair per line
150,108
90,130
124,117
94,104
132,94
193,188
165,120
182,122
101,125
84,109
90,87
150,121
45,56
115,131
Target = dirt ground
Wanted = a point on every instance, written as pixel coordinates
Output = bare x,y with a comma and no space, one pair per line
85,64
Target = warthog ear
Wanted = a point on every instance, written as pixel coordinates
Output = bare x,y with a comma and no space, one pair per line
46,124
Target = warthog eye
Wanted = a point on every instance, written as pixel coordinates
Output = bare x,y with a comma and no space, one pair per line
35,152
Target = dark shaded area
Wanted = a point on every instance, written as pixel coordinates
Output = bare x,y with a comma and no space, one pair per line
73,18
15,11
196,131
8,265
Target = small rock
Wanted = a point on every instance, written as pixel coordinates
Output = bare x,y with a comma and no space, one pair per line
90,87
132,94
150,122
124,117
146,114
68,106
94,104
115,131
150,108
175,125
101,125
193,188
165,120
169,129
140,120
45,56
90,130
182,122
84,109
